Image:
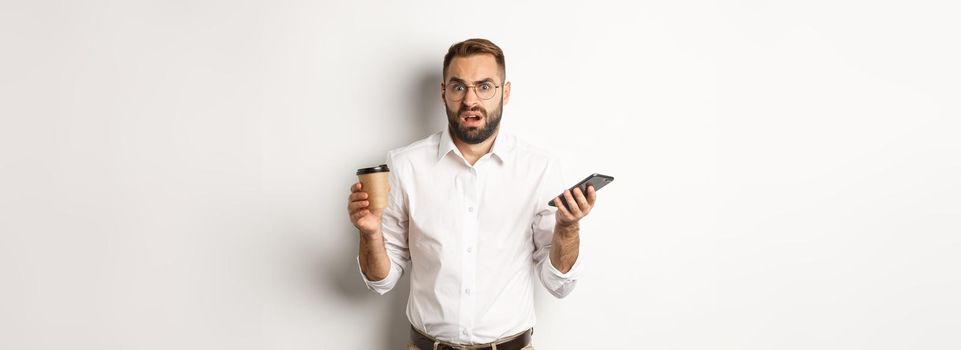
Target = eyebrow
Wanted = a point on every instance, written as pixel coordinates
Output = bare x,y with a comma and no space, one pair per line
459,80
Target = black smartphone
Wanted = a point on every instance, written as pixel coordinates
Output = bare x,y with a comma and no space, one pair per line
595,179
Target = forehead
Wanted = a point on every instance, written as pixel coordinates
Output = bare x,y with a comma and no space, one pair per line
474,68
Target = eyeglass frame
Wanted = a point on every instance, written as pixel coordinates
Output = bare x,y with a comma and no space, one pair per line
469,87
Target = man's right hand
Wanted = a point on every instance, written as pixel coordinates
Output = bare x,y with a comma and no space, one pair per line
366,220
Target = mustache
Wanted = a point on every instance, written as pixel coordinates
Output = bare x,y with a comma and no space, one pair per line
464,108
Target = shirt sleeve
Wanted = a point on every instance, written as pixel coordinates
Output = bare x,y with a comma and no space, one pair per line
394,226
557,283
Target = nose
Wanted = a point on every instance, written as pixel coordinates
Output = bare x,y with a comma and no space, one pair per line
470,98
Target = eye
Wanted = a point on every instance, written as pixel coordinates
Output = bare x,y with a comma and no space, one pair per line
457,87
486,86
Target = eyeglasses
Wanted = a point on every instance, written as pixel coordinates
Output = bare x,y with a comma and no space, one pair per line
456,91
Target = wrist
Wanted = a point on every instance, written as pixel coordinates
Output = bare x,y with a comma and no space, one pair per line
371,236
567,230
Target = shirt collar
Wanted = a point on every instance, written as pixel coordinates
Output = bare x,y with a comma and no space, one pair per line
503,147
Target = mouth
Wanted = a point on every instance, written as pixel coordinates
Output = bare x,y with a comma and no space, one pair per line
471,118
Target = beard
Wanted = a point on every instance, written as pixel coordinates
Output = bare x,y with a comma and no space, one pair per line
471,134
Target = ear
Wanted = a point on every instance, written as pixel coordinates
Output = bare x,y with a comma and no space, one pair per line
507,92
443,98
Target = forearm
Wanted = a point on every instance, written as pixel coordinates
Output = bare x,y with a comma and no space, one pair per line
374,262
565,247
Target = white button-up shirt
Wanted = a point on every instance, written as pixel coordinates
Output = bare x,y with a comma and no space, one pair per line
472,237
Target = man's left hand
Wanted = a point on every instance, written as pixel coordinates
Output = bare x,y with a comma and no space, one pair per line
580,206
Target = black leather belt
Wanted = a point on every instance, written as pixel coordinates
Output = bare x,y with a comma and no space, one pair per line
424,342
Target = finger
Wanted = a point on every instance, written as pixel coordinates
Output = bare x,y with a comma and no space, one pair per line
358,196
353,206
359,214
570,200
582,201
591,195
356,187
560,208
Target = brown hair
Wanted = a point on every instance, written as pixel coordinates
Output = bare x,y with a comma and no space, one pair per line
471,47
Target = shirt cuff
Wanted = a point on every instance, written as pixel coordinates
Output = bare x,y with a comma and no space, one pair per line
557,283
384,285
571,275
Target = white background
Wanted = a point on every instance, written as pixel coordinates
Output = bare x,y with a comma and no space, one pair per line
174,174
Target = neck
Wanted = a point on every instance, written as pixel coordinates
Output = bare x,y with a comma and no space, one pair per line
473,152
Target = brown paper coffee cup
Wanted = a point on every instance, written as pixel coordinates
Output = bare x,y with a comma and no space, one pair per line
374,182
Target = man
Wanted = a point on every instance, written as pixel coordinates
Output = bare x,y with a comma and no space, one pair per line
468,216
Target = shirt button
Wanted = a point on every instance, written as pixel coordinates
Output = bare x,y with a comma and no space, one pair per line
467,291
470,209
470,250
464,332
